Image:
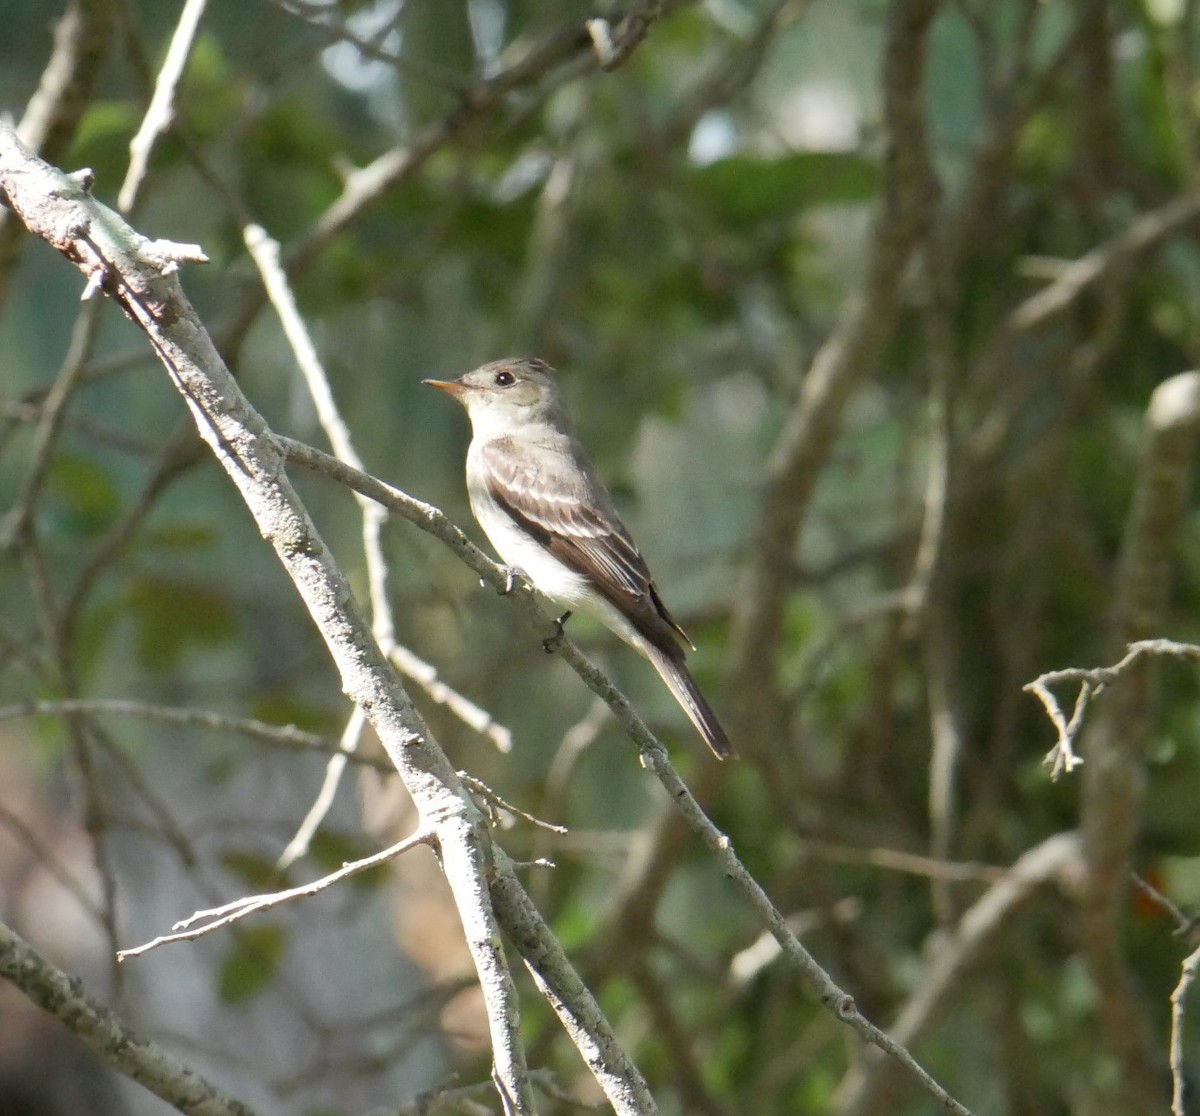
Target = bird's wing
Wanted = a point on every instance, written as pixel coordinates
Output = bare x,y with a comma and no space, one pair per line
552,494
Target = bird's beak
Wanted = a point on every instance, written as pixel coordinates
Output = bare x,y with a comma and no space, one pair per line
450,387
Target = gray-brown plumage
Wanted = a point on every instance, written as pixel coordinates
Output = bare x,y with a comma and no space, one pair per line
538,498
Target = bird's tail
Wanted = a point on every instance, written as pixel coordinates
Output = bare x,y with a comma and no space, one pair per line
675,674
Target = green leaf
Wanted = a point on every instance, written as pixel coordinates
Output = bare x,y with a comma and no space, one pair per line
102,141
256,872
86,498
330,851
181,537
173,614
252,964
288,709
748,190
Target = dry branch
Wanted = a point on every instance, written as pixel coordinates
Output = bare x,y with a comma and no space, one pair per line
1115,744
849,354
123,1048
140,275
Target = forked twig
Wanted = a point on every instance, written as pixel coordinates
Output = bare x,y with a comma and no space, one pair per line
1092,680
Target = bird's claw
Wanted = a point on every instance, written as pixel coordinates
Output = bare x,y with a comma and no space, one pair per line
552,642
512,574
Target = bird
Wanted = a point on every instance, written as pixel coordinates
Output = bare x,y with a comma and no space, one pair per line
536,495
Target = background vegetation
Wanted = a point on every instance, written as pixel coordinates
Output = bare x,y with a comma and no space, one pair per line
860,307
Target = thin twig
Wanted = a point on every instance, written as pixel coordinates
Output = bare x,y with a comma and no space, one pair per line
31,840
1187,974
1054,860
1183,924
161,111
492,904
280,736
475,717
654,755
83,334
493,798
322,803
1082,274
218,917
265,253
1092,681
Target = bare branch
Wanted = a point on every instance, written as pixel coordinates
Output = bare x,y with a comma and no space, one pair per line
812,426
1113,787
15,521
1142,234
653,754
219,917
818,981
1092,681
265,253
497,801
161,111
867,1087
140,276
285,736
145,1062
81,39
1187,975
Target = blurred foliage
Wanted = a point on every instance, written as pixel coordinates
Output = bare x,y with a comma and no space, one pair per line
252,963
679,237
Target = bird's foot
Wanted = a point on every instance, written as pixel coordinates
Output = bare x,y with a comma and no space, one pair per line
512,574
552,642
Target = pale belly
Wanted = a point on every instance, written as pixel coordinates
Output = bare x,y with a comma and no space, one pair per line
546,573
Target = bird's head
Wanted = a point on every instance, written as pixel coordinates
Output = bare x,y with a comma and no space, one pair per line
506,394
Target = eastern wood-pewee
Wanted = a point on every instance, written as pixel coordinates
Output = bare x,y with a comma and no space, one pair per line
537,497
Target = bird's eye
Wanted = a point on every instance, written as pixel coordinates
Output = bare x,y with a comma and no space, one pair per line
504,378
